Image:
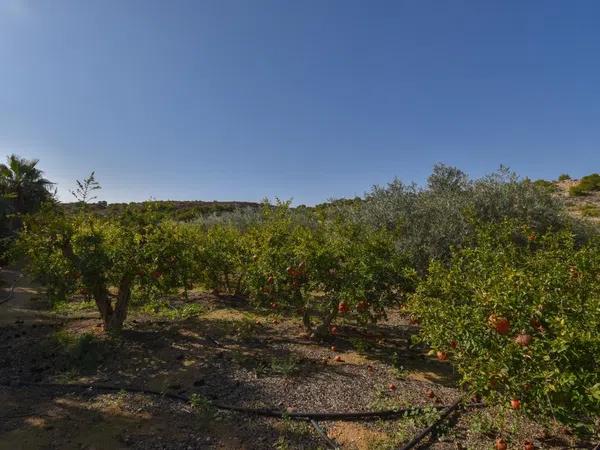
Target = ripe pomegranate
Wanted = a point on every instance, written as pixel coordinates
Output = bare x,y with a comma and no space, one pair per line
333,330
453,344
441,356
392,387
515,403
342,308
523,340
528,445
291,271
500,324
501,444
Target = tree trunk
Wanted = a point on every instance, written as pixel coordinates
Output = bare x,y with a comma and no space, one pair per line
103,303
322,330
306,319
115,323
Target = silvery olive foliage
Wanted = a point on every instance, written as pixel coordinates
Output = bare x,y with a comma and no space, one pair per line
441,215
241,218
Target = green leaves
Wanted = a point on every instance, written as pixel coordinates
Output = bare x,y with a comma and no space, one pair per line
548,289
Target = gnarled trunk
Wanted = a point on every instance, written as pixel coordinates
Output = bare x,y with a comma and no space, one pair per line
113,318
103,303
115,323
321,330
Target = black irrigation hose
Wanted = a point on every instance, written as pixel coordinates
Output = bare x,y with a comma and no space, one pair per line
431,427
265,412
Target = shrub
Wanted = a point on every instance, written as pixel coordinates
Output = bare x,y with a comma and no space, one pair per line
224,258
277,251
357,270
590,211
587,184
518,314
545,184
170,260
435,219
564,177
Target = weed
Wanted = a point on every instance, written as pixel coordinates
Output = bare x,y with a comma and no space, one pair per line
360,345
66,307
168,311
286,366
84,352
590,211
204,410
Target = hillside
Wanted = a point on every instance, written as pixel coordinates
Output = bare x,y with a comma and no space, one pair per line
176,209
585,206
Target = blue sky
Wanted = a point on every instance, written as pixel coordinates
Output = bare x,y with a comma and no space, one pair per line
306,100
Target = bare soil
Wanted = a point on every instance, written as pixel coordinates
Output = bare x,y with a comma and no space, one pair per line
233,354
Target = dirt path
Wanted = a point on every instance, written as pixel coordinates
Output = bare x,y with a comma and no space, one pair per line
25,300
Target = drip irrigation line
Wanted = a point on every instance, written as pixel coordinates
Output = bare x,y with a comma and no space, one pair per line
431,427
330,442
265,412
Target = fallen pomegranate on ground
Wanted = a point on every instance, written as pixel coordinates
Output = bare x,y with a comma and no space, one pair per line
501,444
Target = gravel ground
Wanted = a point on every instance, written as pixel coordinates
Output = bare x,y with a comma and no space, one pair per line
234,356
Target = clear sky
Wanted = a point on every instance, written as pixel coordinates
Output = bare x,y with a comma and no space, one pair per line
307,99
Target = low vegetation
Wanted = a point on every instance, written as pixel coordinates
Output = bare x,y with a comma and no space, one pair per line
533,302
503,283
587,185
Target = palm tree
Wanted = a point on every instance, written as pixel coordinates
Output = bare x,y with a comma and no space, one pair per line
23,184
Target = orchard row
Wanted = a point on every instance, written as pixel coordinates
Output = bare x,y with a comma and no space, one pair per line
516,310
